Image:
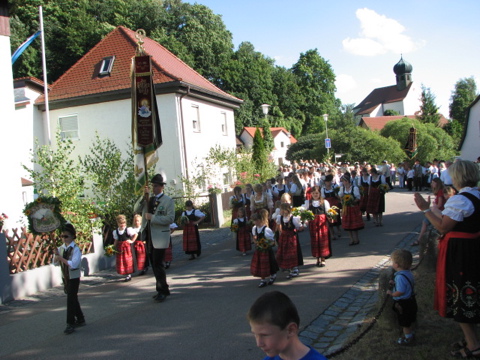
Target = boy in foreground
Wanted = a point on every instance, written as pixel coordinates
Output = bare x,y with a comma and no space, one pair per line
275,323
405,304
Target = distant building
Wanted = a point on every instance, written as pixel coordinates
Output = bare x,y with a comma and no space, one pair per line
282,139
404,97
378,122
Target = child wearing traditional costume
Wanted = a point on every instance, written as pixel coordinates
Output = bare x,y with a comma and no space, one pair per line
365,186
191,236
236,201
169,250
329,193
351,214
376,197
123,244
263,261
138,244
243,230
319,232
289,254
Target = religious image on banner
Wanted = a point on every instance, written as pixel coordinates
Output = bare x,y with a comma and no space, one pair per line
146,131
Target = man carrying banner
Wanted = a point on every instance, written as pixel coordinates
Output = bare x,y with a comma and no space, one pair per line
158,212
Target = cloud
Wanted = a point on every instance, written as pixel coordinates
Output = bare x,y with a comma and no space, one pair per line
379,35
345,83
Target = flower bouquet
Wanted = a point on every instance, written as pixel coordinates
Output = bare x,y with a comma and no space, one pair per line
347,200
362,190
264,244
234,227
3,217
234,202
110,250
332,213
183,220
383,188
307,215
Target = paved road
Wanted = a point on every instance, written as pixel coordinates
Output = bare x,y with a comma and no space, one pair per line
204,318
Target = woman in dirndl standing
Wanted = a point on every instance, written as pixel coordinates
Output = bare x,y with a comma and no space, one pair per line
319,232
376,197
123,245
364,182
191,235
351,214
457,286
236,201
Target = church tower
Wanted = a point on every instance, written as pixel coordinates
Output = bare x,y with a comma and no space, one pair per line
403,74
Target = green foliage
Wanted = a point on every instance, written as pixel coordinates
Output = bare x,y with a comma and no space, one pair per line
112,180
428,110
462,97
259,154
61,177
390,112
267,136
433,142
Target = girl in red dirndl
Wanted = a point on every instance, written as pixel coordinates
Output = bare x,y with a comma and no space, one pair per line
191,236
123,245
289,254
319,232
243,230
263,261
351,214
138,244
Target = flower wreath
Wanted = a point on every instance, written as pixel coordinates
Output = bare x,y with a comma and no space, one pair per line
44,215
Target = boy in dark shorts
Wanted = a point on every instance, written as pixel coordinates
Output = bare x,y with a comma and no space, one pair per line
405,304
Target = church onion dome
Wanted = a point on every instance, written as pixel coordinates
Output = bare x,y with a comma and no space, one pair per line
402,67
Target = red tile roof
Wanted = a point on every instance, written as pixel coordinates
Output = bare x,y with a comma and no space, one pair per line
380,96
379,122
82,78
274,130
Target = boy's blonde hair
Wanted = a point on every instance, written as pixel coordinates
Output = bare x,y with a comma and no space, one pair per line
121,219
403,258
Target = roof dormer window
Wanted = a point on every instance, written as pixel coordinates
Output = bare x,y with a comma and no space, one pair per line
107,65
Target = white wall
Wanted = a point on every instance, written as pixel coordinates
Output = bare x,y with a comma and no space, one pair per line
11,137
113,120
470,147
413,100
279,151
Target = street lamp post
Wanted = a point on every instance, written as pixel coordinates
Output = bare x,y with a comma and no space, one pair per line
327,140
265,109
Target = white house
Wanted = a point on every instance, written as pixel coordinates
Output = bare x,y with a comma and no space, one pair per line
94,95
469,145
404,97
282,139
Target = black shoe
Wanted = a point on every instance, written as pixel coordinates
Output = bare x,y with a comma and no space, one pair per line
79,323
160,297
167,264
128,278
263,283
271,280
192,257
141,273
69,329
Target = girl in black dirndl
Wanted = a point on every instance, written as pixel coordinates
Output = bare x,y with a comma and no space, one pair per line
365,184
243,231
236,201
139,244
376,197
319,232
191,236
123,246
247,199
351,214
289,253
263,263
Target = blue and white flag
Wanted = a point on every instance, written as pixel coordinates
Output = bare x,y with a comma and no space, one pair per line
22,47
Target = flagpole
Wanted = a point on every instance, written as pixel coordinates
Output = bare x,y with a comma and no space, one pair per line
45,84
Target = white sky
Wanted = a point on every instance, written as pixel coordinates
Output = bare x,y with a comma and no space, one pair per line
363,40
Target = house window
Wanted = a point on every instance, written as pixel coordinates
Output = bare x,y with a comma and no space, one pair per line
224,123
106,67
196,118
282,144
69,127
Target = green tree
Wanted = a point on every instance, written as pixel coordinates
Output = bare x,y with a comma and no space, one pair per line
259,154
316,81
267,136
112,179
464,94
390,112
428,109
432,141
61,177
